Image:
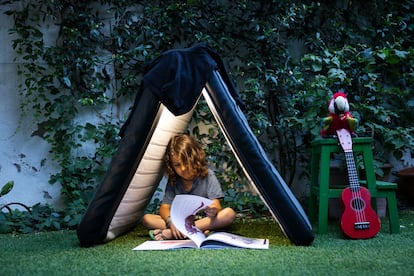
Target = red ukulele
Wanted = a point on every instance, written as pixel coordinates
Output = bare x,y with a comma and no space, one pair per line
359,220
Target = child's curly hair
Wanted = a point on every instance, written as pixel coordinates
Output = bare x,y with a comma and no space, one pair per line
186,149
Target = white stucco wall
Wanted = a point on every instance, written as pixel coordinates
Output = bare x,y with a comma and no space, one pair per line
24,159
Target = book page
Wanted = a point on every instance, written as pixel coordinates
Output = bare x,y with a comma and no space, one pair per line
183,211
165,245
221,239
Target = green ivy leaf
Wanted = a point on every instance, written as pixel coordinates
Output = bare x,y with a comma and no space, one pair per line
401,54
7,188
67,81
382,55
316,67
337,73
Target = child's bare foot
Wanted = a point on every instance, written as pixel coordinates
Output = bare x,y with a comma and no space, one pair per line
161,234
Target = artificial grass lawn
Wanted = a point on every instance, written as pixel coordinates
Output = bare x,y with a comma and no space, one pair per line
58,253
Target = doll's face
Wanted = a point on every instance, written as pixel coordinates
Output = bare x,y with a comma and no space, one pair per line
186,172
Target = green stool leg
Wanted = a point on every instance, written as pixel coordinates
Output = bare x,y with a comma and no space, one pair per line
313,195
323,215
312,206
324,189
393,213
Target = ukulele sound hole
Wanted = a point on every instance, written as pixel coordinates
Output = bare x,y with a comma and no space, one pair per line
358,204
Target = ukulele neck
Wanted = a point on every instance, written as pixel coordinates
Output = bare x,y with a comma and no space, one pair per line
352,172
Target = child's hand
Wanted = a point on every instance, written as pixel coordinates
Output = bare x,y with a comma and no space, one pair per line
211,212
176,233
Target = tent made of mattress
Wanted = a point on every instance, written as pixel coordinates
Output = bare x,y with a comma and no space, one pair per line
163,107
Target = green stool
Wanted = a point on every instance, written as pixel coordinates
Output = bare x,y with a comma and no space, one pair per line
321,192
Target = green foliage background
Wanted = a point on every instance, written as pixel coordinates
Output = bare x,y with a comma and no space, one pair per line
286,58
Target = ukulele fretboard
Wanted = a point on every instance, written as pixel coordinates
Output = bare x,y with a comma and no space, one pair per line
352,172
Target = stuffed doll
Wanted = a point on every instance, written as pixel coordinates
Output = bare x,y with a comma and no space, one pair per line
339,116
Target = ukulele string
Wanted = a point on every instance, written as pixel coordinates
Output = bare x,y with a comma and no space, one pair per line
355,190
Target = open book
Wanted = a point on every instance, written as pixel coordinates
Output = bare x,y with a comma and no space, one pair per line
183,211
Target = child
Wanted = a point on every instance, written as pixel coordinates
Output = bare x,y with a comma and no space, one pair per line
187,170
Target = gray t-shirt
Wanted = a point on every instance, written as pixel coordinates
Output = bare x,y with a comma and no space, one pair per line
208,187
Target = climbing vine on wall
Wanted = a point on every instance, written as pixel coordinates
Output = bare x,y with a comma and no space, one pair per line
82,62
